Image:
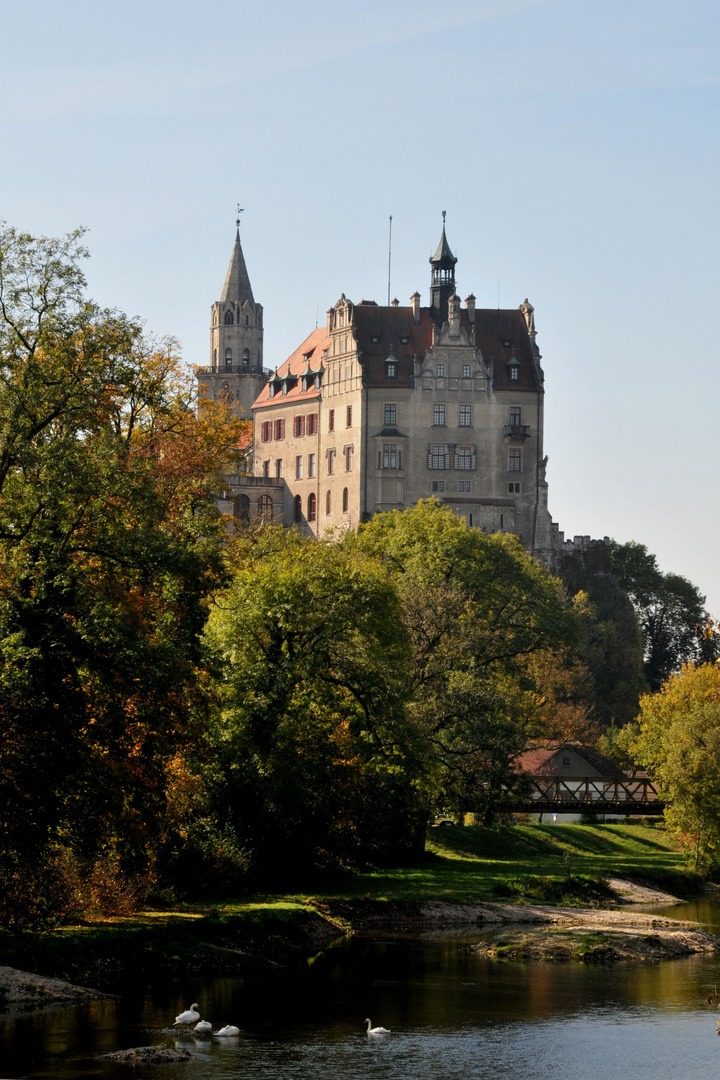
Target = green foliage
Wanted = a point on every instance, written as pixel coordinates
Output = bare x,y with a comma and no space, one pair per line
108,545
638,624
312,749
478,613
679,744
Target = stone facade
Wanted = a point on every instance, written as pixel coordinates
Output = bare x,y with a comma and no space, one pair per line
387,405
236,374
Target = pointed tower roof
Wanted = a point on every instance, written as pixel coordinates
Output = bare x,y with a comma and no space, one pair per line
443,256
237,288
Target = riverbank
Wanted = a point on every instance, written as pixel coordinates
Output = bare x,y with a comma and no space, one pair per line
471,879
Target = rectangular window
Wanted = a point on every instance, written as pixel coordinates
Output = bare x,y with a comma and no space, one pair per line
299,467
266,468
466,416
348,451
391,414
279,429
266,430
438,416
311,465
331,420
513,488
466,371
464,458
514,460
438,485
299,427
437,457
330,462
389,456
348,416
441,371
278,468
514,374
312,424
391,370
463,485
515,416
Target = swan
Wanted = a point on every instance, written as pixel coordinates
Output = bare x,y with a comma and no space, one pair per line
203,1027
229,1029
375,1030
189,1016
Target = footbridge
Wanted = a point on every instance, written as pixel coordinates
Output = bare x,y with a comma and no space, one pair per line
592,794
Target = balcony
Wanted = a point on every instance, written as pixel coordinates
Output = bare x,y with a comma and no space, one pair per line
516,432
236,369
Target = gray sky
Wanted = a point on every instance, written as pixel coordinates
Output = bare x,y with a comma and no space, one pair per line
573,143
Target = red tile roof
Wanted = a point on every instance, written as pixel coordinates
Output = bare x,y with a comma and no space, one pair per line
296,364
542,760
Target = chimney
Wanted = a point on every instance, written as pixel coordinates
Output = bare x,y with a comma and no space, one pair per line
470,301
415,305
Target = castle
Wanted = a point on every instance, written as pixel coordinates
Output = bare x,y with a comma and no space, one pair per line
385,405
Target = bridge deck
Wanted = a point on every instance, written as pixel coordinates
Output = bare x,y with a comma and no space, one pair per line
594,794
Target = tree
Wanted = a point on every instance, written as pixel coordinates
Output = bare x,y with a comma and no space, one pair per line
480,613
679,744
639,625
312,763
109,543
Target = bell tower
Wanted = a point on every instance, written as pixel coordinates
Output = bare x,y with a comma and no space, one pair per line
442,278
236,371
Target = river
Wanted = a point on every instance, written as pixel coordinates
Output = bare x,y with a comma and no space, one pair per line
452,1015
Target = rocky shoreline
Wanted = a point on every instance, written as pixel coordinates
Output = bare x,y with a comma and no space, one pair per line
69,974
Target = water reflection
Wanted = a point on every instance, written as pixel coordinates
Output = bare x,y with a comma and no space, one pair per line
452,1014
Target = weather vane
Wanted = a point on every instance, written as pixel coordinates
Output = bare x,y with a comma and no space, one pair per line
239,212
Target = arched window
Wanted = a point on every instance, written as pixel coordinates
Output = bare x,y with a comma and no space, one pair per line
312,506
215,358
228,318
247,320
265,508
228,358
328,503
297,509
242,509
345,500
246,356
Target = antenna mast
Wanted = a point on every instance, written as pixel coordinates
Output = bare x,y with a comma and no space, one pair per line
389,258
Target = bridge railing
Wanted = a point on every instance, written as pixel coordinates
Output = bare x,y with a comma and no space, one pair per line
619,795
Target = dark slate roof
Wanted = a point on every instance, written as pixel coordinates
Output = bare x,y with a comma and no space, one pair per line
443,253
493,328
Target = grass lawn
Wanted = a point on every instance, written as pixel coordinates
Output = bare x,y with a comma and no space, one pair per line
468,863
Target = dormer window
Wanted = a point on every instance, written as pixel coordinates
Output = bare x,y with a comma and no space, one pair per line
404,340
507,344
391,370
374,338
513,368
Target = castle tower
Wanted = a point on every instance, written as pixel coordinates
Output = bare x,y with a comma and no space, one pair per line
236,373
442,279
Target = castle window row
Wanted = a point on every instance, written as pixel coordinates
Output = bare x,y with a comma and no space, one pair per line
451,457
311,506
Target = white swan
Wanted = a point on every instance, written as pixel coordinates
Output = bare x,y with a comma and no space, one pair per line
229,1029
189,1016
203,1027
375,1030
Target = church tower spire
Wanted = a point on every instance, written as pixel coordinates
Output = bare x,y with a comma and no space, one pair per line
236,372
442,277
